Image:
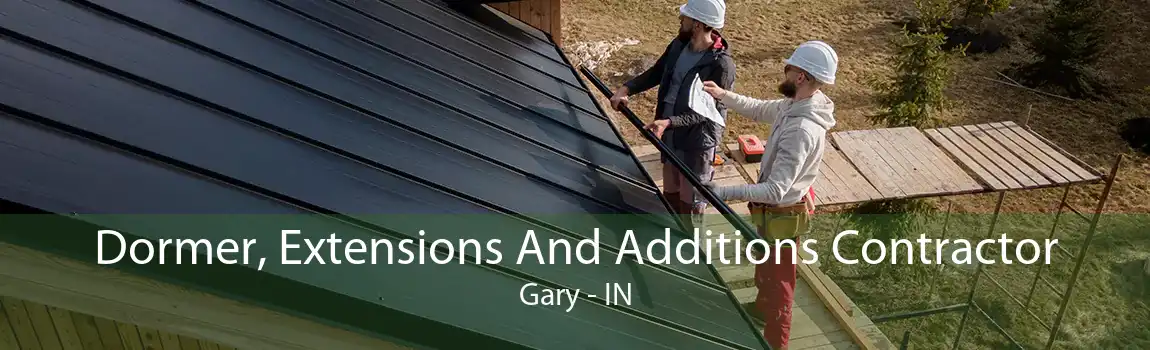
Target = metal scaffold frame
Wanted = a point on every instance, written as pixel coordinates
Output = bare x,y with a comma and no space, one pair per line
907,163
1065,295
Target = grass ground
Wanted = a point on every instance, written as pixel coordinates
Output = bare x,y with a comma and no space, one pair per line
1111,306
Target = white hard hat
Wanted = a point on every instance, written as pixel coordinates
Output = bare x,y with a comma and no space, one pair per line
818,59
710,12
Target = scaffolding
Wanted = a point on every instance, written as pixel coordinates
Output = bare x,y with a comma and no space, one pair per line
1064,295
906,163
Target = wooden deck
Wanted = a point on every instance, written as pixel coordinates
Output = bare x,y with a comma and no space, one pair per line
814,323
26,325
1006,156
880,164
111,309
902,163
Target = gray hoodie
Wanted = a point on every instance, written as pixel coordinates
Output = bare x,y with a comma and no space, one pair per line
792,152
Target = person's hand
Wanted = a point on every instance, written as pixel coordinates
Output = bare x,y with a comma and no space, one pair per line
658,127
718,191
710,185
619,99
714,90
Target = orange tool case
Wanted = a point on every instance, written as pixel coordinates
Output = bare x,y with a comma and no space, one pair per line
751,147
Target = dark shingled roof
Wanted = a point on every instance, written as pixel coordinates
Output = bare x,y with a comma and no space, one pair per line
330,107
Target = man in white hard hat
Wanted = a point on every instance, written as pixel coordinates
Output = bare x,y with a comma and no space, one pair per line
779,201
698,51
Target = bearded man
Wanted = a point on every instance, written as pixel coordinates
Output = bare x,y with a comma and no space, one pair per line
780,202
698,51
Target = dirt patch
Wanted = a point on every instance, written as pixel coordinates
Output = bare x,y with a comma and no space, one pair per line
978,40
1136,132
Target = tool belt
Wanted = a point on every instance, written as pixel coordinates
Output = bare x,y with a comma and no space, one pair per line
781,222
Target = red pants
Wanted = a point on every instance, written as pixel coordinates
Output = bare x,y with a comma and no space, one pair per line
776,295
776,286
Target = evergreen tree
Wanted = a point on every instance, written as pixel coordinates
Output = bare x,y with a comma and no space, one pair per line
911,98
1070,44
916,91
975,10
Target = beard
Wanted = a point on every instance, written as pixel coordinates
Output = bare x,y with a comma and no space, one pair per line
685,35
789,89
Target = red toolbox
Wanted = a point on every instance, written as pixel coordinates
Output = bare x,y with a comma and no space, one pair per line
751,147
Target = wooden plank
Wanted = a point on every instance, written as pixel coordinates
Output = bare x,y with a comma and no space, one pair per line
514,8
964,160
42,323
817,340
830,188
913,174
846,322
109,334
7,336
903,175
544,15
656,171
187,343
726,171
649,151
899,141
752,170
849,178
862,188
500,6
1008,170
973,153
526,11
530,14
21,323
873,168
844,345
840,297
1034,165
1012,161
731,181
905,141
812,321
169,340
805,296
1085,168
1054,170
745,295
130,335
910,175
150,338
1049,150
948,168
542,9
106,292
809,318
86,329
556,20
207,345
65,328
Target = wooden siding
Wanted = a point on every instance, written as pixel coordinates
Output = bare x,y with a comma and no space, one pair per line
541,14
27,325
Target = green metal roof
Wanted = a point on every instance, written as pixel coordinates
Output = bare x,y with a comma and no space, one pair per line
373,119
